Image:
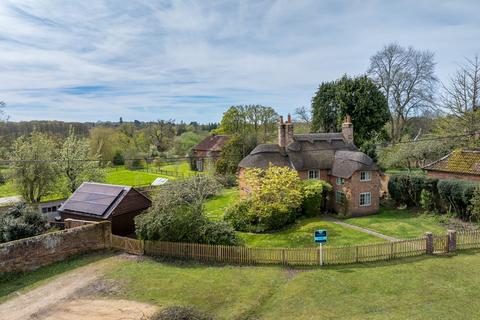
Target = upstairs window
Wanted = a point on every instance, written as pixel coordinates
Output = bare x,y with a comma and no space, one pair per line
313,174
365,199
365,176
340,181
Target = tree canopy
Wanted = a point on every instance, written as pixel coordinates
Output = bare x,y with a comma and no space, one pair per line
358,97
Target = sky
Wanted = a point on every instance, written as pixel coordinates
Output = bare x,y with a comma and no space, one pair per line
99,60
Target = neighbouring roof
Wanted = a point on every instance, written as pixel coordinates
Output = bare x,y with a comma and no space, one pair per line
312,151
458,161
97,199
211,143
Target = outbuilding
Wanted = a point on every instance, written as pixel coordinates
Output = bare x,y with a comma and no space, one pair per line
98,202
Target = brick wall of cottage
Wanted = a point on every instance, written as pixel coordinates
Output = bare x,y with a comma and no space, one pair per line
448,175
32,253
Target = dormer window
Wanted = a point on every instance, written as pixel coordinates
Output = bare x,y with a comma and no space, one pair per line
365,176
340,181
313,174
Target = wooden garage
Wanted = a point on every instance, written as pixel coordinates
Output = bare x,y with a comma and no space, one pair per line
97,202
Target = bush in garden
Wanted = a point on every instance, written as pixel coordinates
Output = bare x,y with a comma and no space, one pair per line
21,222
177,215
314,193
3,179
274,202
407,189
456,196
427,201
118,158
475,204
241,216
180,313
227,180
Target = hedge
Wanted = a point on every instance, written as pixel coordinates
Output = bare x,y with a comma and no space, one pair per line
452,195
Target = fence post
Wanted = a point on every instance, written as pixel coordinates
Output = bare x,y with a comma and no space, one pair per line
429,242
452,240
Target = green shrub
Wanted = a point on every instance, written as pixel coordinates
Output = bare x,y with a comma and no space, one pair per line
427,201
118,158
314,193
3,179
227,180
177,215
21,222
475,204
456,196
241,216
407,189
180,313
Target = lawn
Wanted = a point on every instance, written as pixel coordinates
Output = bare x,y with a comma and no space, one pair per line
8,189
122,176
216,205
300,235
401,224
181,167
440,287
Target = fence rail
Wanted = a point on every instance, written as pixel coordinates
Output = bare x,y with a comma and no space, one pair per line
330,255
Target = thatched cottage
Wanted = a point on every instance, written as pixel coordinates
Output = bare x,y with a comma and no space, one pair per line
331,157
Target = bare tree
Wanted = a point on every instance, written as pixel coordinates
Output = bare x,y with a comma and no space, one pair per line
303,114
406,77
461,97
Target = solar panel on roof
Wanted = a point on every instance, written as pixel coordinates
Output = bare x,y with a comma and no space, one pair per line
94,199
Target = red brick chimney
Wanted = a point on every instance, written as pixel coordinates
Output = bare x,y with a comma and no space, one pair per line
285,131
347,129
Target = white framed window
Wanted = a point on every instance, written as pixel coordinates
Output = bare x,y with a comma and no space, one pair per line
313,174
340,197
340,181
365,176
365,199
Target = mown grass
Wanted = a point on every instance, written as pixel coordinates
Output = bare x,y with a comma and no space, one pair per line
420,288
8,189
21,282
123,176
180,167
215,206
300,235
400,223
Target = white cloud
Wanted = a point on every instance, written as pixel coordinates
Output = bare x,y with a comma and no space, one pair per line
190,60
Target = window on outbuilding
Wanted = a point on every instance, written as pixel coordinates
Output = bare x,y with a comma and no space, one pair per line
199,165
365,199
365,176
313,174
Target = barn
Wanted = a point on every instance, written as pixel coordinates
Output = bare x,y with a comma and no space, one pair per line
99,202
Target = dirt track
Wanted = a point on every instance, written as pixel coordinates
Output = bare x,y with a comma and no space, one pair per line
59,299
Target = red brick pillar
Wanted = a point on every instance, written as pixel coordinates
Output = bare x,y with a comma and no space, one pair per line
452,240
429,242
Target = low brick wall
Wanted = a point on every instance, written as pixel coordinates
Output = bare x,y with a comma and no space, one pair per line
32,253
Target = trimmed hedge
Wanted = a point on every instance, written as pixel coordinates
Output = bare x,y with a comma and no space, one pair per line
452,195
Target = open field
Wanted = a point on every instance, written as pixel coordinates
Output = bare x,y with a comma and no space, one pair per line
215,206
180,167
401,224
134,178
443,287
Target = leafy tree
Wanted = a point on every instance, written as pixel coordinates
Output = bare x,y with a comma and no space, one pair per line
21,222
161,134
75,165
273,203
407,78
358,97
104,142
475,204
177,214
2,113
186,141
118,158
314,195
34,171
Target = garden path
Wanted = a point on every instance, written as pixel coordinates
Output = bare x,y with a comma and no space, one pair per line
365,230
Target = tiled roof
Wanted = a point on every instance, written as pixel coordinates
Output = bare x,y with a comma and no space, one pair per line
211,143
458,161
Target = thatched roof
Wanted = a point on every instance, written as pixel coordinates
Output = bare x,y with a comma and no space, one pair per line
312,151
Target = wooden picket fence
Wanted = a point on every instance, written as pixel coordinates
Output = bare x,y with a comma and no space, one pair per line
330,255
